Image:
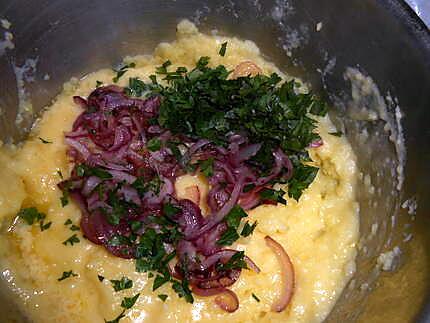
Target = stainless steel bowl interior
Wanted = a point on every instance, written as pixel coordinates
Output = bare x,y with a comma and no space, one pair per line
382,39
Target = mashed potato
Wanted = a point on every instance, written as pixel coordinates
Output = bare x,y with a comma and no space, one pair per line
319,233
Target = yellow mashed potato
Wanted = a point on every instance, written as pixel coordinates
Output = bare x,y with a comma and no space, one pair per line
319,233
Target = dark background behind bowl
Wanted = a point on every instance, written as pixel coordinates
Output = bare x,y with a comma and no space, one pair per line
384,39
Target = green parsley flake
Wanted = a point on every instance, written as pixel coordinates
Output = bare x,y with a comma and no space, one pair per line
170,210
223,49
273,195
101,278
118,318
232,220
44,141
163,297
123,283
154,144
74,227
45,226
128,302
248,229
121,71
67,274
207,167
235,262
71,240
336,134
31,215
68,221
255,297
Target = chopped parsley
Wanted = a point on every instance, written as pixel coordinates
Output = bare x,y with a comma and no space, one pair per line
74,227
223,49
101,278
71,240
255,297
183,290
273,195
337,133
123,283
154,144
68,222
84,170
232,219
163,297
44,141
67,274
45,226
31,216
118,318
235,262
60,174
170,210
64,199
304,175
207,167
122,70
128,302
98,83
248,229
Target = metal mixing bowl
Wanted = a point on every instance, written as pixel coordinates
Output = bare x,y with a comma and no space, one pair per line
381,38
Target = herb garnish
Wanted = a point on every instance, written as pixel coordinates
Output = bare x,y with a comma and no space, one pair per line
207,167
128,302
123,283
101,278
205,103
232,220
273,195
31,215
235,262
121,71
223,49
163,297
255,297
67,274
68,221
45,226
248,229
44,141
118,318
337,133
71,240
60,174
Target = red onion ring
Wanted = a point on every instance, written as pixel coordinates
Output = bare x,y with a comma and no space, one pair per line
287,275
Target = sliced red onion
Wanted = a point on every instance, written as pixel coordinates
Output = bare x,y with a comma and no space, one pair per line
316,144
122,137
244,154
281,161
90,184
287,275
227,300
79,147
122,176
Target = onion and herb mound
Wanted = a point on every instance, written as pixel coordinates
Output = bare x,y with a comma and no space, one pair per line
129,145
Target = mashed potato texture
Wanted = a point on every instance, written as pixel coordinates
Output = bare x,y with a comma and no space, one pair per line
319,232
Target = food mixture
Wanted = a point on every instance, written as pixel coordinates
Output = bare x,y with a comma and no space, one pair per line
196,184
